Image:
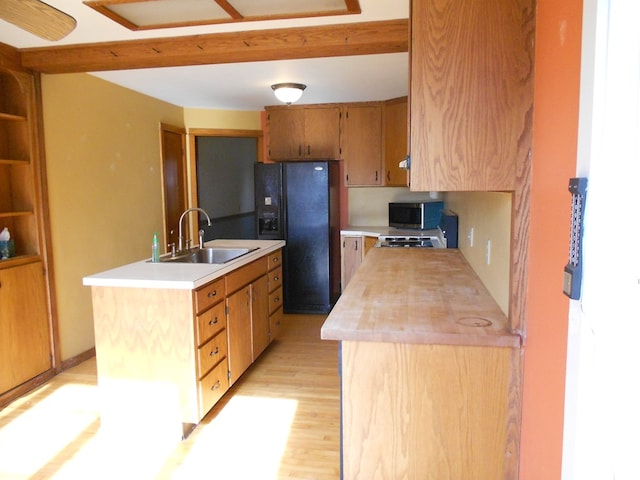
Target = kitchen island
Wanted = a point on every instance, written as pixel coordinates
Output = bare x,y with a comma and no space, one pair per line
429,370
172,337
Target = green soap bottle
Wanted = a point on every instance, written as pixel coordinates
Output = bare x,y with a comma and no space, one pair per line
155,248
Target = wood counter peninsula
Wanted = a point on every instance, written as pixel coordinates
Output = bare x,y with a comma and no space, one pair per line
430,370
171,338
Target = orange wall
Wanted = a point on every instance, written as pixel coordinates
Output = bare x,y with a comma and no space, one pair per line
555,131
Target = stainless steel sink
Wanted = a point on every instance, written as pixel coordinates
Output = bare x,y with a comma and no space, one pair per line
214,255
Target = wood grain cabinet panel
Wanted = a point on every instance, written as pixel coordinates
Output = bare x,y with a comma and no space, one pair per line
425,411
25,350
212,353
212,387
362,144
209,294
354,249
210,322
276,299
396,141
304,133
239,331
471,91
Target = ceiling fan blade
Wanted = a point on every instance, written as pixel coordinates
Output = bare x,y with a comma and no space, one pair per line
38,18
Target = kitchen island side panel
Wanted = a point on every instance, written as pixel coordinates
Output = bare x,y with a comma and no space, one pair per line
427,411
145,358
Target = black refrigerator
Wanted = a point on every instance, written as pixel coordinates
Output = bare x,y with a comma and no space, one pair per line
299,202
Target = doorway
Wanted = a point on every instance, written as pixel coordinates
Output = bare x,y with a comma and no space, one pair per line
224,163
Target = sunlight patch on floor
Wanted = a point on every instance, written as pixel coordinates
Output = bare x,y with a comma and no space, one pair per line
245,440
62,416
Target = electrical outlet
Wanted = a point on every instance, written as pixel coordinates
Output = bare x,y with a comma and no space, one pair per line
488,252
470,237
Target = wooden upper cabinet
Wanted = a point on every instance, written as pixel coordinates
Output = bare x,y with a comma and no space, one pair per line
304,133
471,93
396,141
362,144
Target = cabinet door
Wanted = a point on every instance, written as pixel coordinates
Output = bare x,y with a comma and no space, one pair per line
259,315
286,133
362,145
25,350
322,133
239,332
471,94
395,142
351,258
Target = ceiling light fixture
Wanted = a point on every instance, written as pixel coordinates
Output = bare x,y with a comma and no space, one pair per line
288,92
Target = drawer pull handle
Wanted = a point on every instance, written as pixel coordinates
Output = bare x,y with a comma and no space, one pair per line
215,352
216,385
212,294
214,321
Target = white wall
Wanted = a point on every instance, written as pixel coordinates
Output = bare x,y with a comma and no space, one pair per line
602,388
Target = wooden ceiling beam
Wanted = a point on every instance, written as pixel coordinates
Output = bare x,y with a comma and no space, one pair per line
364,38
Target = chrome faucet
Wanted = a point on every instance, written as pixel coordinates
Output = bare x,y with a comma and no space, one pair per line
180,238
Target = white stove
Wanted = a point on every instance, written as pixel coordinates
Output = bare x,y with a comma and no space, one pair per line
445,235
412,241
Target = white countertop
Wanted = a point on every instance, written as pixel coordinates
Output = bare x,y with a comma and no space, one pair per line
357,231
182,276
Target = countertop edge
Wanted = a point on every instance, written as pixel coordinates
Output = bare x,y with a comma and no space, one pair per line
143,274
454,339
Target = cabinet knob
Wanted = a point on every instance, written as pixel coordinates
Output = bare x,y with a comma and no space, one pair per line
276,278
276,300
276,259
212,294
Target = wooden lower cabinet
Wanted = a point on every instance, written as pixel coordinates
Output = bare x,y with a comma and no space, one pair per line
354,249
275,294
247,316
25,348
426,411
166,356
239,321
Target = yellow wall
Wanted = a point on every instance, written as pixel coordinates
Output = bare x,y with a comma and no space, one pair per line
489,213
102,147
222,119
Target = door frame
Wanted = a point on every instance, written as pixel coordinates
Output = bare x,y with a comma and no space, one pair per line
182,181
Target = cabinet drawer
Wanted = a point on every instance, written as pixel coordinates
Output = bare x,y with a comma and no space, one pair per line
275,278
212,352
274,260
210,294
275,323
212,387
245,275
275,299
210,322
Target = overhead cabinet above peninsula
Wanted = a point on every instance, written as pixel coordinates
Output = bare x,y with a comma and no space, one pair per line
471,93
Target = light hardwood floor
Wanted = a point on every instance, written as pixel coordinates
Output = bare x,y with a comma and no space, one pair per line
281,420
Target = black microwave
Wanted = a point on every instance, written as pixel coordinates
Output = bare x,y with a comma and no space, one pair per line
421,216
